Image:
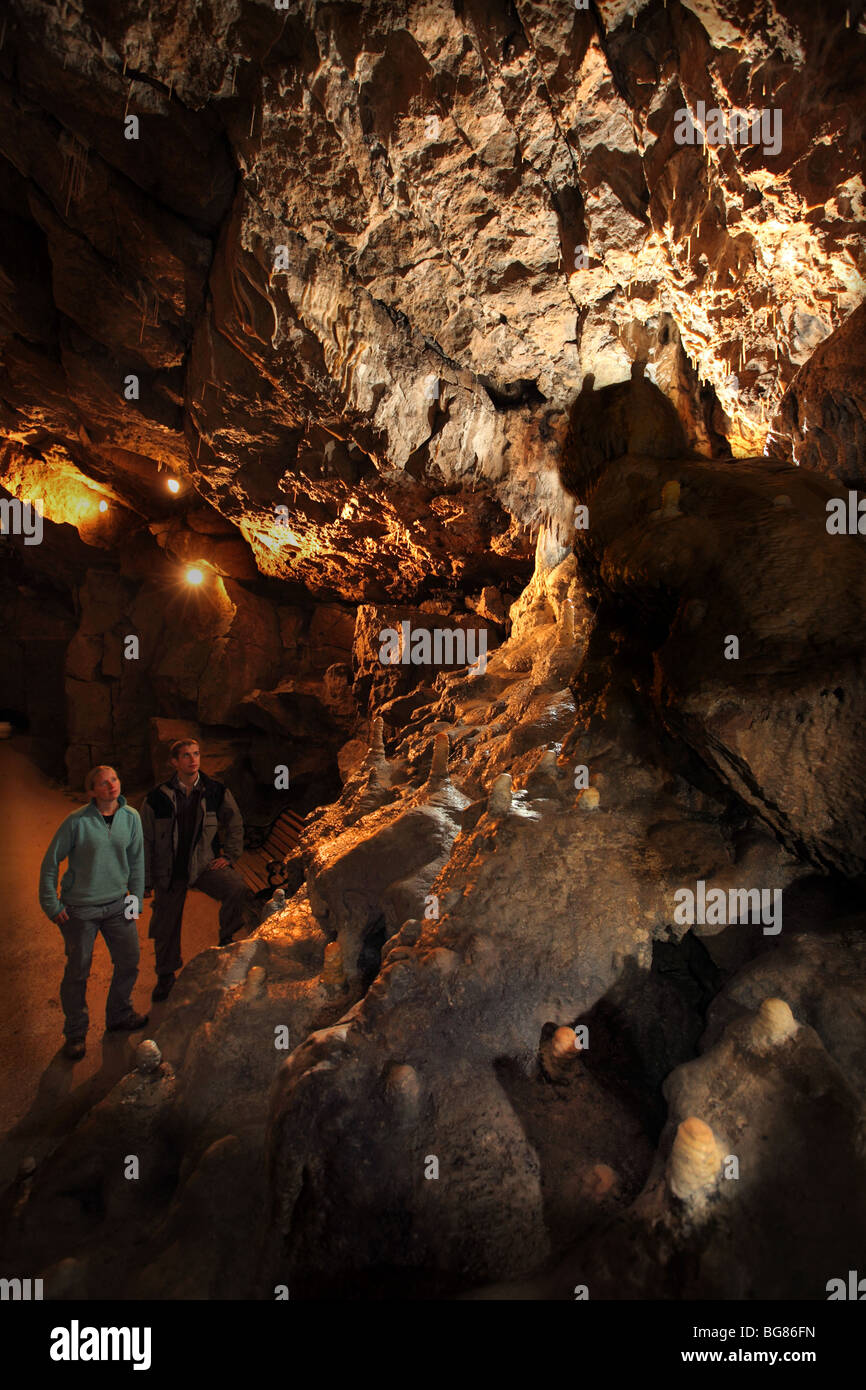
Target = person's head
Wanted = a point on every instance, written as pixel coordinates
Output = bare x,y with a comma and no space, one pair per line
185,756
102,783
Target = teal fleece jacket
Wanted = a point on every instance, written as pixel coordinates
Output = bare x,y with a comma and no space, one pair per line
104,862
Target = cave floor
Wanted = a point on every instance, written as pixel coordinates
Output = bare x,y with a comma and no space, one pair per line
43,1095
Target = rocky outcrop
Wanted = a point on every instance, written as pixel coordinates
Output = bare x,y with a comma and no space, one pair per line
821,422
396,649
724,572
184,1123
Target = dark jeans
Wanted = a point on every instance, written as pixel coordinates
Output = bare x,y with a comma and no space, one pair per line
224,885
79,935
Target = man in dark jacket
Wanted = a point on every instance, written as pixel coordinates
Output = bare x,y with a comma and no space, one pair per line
193,835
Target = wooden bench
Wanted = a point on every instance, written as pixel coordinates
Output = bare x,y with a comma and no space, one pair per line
266,850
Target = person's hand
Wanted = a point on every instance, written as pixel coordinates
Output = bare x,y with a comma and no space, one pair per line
221,863
62,917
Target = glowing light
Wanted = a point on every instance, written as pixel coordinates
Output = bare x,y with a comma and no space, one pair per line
103,506
173,485
194,576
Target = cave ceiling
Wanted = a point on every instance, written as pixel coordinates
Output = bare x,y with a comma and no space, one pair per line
355,261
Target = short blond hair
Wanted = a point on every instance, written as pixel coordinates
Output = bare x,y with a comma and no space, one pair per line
91,776
179,744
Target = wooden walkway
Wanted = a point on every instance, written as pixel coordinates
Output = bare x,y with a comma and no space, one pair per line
261,864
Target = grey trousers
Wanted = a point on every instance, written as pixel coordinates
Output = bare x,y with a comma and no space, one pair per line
225,885
79,935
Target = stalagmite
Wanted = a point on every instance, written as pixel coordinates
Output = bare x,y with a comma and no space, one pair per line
543,779
439,762
275,904
774,1023
254,985
377,742
671,498
499,801
694,1162
376,750
547,765
378,781
147,1056
559,1055
565,625
333,974
564,1045
403,1089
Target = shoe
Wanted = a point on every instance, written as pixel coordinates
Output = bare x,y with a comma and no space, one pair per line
74,1049
163,988
129,1025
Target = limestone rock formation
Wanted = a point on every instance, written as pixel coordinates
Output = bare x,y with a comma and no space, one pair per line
432,403
820,422
373,304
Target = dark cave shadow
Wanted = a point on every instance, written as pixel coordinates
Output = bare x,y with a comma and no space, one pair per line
59,1104
627,417
369,960
820,902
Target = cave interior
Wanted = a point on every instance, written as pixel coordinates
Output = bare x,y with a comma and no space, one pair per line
451,415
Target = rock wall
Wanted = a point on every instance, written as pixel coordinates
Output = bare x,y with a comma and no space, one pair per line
360,267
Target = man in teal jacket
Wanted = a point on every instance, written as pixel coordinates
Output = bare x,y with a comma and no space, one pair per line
102,891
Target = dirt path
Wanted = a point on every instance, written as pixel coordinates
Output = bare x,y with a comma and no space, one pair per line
41,1093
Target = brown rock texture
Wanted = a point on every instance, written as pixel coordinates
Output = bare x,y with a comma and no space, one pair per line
737,588
821,423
